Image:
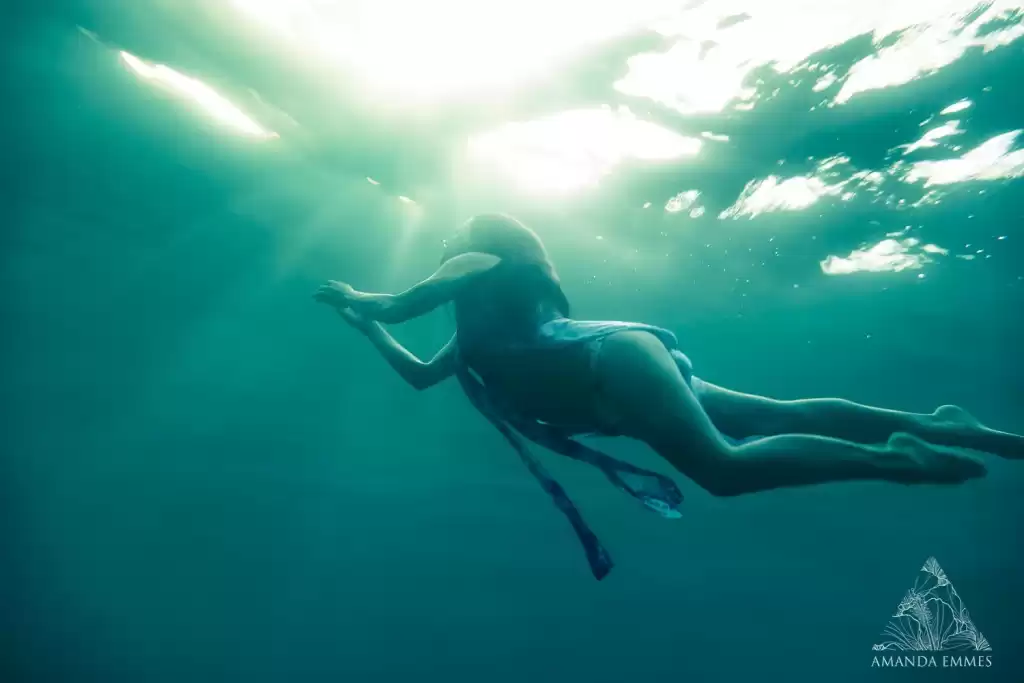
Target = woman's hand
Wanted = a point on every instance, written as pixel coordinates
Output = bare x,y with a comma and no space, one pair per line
337,294
355,320
343,296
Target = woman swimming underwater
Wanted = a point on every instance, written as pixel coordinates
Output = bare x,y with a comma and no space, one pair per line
537,373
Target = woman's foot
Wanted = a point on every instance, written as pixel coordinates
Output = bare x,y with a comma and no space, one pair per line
956,427
929,464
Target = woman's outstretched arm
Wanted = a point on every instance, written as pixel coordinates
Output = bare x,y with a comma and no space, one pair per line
418,374
441,287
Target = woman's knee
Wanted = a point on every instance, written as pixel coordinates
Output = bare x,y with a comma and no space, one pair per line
709,461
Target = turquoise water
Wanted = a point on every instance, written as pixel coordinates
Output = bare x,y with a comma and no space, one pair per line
207,478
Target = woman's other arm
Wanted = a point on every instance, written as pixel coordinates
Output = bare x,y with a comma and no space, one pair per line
420,375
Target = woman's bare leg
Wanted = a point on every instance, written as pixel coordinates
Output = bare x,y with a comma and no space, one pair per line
643,387
745,415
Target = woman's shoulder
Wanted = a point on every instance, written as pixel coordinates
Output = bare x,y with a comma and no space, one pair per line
468,264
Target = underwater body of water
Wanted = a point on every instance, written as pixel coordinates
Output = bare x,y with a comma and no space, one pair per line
205,477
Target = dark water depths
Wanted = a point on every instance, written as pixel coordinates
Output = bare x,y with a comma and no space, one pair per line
205,477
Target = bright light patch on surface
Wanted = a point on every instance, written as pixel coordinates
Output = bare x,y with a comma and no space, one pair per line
930,198
800,192
991,160
994,159
825,82
923,49
372,181
932,137
955,107
775,194
575,149
684,80
206,97
889,255
428,50
682,201
706,70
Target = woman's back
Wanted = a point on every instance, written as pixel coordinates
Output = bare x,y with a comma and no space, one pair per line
499,321
505,308
506,305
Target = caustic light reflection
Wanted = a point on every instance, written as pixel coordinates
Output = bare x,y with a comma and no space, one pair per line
991,160
799,192
575,149
994,159
956,106
932,137
775,194
206,97
708,67
889,255
685,201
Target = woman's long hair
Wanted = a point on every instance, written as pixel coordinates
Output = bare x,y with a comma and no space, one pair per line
512,242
